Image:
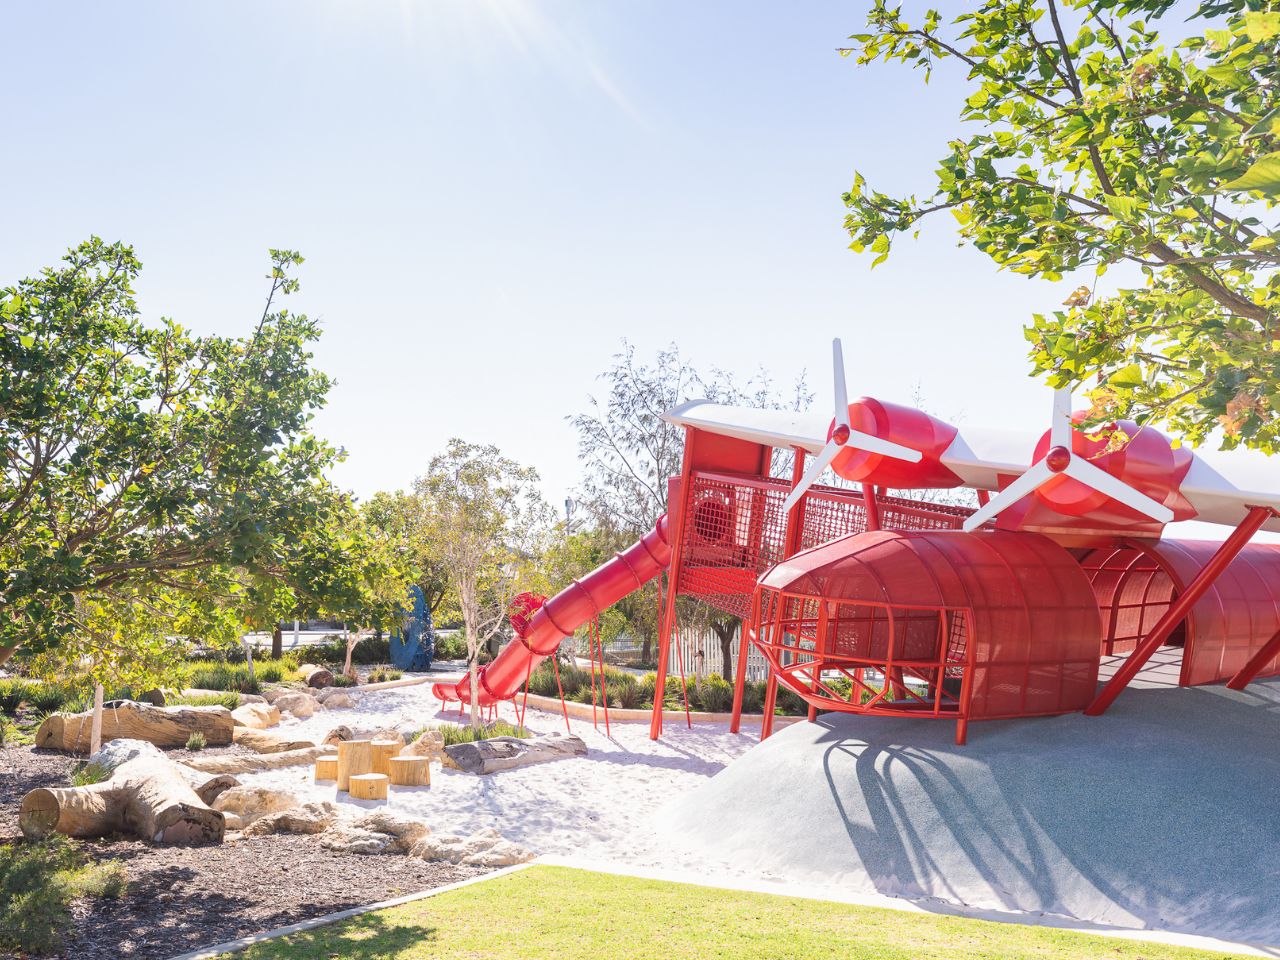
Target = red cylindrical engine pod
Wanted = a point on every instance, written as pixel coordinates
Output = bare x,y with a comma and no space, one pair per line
905,425
1148,462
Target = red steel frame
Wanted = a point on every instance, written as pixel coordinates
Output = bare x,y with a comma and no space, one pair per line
1178,610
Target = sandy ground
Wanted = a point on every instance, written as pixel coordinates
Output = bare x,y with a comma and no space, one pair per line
1155,817
603,806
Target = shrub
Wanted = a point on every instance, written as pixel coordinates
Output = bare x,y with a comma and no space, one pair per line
12,694
342,680
47,697
271,672
383,675
223,676
450,647
38,881
628,695
790,704
715,695
197,741
230,700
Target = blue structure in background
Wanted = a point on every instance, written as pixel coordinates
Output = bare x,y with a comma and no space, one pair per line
413,646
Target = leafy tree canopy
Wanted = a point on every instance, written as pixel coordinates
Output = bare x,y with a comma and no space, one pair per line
136,454
1093,144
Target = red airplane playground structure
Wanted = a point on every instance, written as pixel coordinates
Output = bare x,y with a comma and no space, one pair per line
867,603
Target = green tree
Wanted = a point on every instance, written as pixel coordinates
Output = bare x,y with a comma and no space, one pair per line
1093,144
134,455
402,518
487,524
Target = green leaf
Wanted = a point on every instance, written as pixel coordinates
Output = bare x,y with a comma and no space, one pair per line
1261,26
1263,176
1126,377
27,340
1122,208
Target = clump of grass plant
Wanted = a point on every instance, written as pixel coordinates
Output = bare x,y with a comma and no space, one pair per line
455,733
13,693
197,741
383,675
38,882
84,773
228,699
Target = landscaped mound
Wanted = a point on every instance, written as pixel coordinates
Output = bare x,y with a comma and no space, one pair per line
1160,814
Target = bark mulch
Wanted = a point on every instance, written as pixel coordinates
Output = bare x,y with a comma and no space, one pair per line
184,898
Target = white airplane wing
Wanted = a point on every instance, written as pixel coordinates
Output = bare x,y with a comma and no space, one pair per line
775,428
979,456
1223,484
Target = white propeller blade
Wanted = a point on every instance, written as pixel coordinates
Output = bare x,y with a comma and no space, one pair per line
1077,468
1024,485
842,394
1094,476
852,439
811,474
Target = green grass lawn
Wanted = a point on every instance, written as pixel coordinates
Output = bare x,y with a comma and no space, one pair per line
563,914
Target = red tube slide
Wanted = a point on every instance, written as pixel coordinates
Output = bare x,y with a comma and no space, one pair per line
564,613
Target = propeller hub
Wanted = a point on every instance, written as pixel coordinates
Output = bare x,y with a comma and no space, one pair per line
1057,459
840,435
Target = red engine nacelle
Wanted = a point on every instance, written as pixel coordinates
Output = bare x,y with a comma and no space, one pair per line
1148,462
907,426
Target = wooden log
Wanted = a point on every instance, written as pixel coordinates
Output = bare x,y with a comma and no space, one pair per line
369,786
147,796
252,762
410,771
326,769
355,757
315,675
261,741
162,726
384,750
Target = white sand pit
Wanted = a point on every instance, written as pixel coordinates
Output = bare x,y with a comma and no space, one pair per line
601,806
1160,815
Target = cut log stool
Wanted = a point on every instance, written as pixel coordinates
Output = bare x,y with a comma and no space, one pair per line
384,750
369,786
355,757
326,769
410,771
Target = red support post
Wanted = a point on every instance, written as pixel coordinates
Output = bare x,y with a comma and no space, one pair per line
770,701
1256,663
667,622
872,506
1230,548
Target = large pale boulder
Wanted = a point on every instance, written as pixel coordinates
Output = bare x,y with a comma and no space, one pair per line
337,700
256,716
297,703
429,744
252,803
485,849
305,818
377,832
506,753
339,734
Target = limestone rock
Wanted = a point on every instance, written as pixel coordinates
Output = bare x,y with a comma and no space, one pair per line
256,716
430,744
506,753
253,803
338,735
262,741
232,821
251,698
337,700
210,790
297,703
485,849
307,818
405,831
352,840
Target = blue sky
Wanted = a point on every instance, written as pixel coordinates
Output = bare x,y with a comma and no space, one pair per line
491,194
